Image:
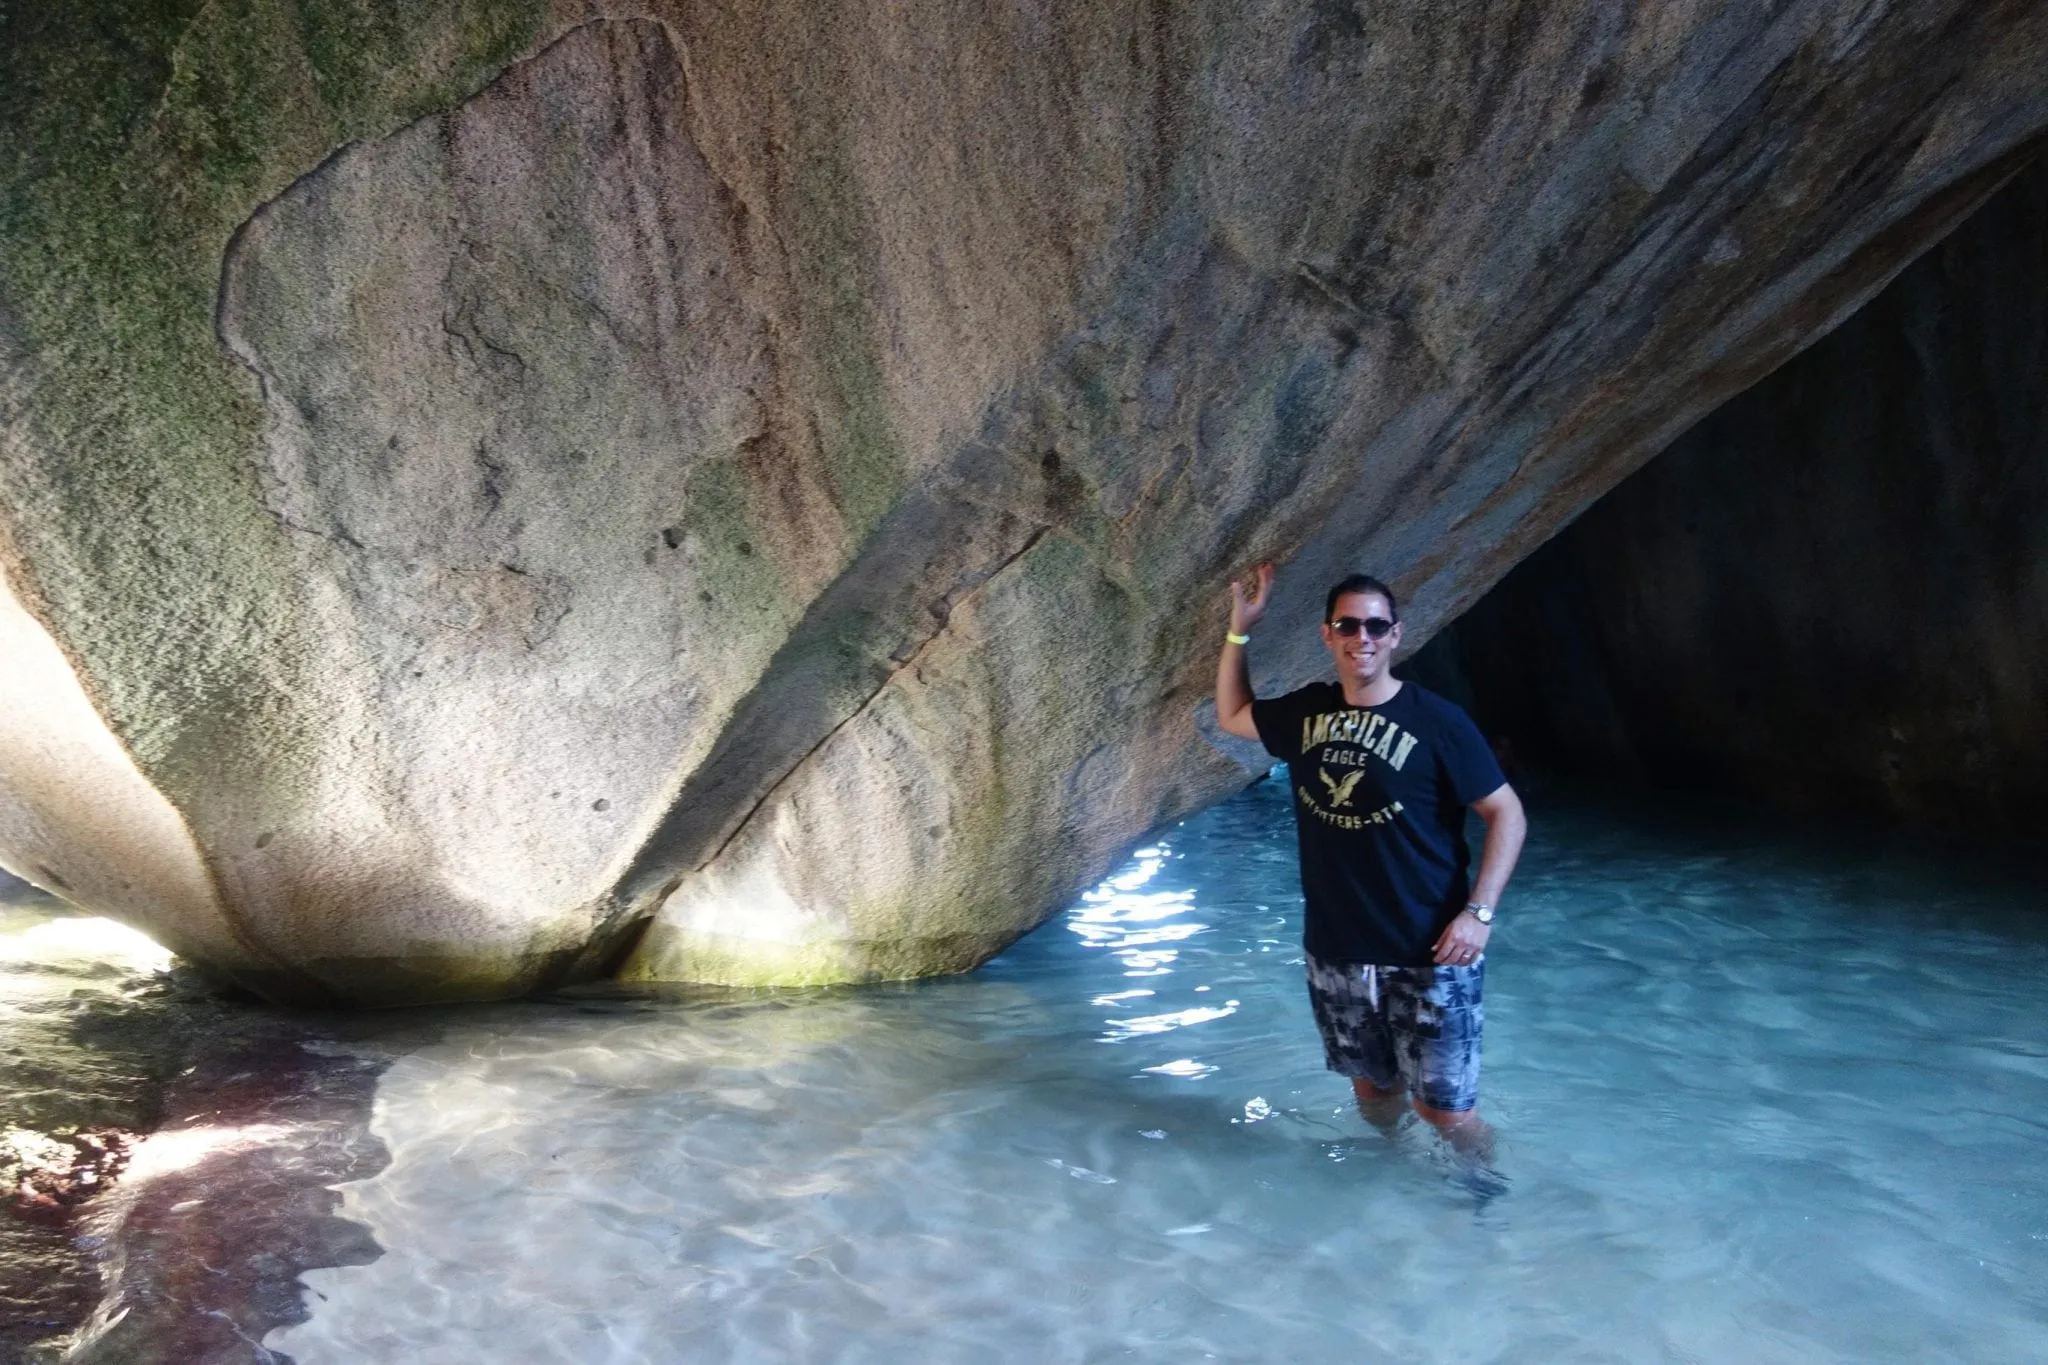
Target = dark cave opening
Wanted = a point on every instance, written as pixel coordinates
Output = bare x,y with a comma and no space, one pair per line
1831,594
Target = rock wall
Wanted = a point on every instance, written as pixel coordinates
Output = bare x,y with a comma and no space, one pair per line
500,476
1832,593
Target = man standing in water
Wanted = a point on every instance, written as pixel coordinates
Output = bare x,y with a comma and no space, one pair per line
1395,930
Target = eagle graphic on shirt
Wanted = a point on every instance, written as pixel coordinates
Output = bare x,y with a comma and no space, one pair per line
1340,791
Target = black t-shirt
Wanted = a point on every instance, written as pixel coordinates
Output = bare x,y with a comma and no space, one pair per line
1379,802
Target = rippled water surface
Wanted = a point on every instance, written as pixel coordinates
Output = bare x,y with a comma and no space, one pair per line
1762,1096
1758,1101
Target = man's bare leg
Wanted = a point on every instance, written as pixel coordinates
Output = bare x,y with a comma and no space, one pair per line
1466,1133
1381,1108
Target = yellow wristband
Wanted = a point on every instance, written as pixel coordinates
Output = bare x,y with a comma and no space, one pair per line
1234,638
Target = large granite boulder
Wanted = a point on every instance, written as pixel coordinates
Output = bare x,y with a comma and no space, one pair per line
1832,593
491,493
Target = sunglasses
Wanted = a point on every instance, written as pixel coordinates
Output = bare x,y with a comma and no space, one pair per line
1375,627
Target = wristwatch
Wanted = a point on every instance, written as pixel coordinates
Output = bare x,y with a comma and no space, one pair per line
1480,911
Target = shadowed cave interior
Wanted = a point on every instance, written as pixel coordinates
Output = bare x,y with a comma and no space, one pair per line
1831,595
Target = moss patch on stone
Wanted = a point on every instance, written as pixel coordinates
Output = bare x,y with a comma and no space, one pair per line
826,223
822,962
141,135
438,974
749,588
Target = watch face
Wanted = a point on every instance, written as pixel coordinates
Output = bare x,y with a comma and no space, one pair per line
1483,913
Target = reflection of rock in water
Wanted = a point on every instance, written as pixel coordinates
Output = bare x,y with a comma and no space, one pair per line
229,1200
61,1079
154,1134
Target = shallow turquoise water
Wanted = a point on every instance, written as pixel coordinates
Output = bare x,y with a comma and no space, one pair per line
1760,1098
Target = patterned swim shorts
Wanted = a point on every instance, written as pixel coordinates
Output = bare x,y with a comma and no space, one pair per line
1410,1028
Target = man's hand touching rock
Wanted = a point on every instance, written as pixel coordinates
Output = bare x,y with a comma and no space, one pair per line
1247,607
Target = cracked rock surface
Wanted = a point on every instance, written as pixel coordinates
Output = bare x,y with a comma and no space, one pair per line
491,494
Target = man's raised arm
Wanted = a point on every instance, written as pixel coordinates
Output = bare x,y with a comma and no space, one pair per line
1233,677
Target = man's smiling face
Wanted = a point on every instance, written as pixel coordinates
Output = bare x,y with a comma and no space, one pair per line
1360,658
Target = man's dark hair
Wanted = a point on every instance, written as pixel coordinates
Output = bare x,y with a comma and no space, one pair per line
1360,582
